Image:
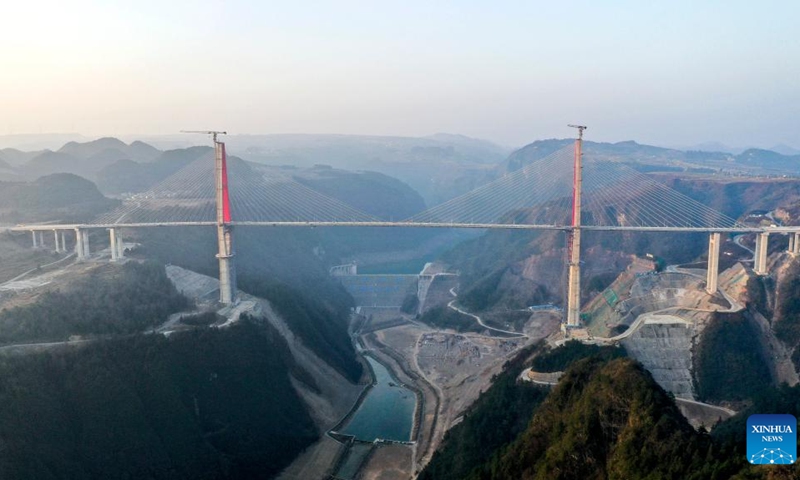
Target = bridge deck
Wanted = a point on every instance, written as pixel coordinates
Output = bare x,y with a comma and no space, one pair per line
489,226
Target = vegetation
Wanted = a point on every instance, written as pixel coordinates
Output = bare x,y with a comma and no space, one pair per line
787,324
444,317
276,264
500,288
497,268
606,419
128,176
410,304
61,196
126,300
756,295
322,327
600,282
507,319
206,404
370,192
589,428
796,357
727,363
558,359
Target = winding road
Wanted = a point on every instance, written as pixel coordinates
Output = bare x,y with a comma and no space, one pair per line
451,305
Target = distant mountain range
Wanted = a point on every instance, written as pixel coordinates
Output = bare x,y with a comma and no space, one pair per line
648,158
438,167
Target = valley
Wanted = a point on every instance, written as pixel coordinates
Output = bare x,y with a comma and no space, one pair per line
381,344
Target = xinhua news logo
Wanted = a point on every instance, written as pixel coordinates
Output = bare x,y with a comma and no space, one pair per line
771,439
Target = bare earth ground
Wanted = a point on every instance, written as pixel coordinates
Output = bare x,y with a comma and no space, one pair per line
59,276
17,257
702,414
388,462
308,465
451,369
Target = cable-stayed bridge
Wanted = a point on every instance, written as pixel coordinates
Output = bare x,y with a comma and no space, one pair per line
538,196
564,190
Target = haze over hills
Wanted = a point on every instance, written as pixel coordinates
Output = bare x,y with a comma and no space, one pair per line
649,158
306,320
438,167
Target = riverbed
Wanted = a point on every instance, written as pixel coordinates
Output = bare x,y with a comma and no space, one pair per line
387,411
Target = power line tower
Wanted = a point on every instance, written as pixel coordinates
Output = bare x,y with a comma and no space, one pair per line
574,274
227,268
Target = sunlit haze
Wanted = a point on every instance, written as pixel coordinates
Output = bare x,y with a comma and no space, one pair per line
676,73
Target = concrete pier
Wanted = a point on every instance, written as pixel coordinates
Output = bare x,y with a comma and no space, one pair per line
63,241
41,238
794,243
86,250
713,263
35,242
57,241
112,233
82,244
79,244
760,261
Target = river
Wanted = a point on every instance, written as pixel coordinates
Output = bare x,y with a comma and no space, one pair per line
387,412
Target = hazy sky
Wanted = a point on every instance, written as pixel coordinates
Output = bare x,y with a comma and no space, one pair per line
668,73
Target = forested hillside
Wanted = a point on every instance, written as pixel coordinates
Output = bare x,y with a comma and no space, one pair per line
726,366
606,419
280,265
504,411
207,404
787,314
63,197
116,300
515,269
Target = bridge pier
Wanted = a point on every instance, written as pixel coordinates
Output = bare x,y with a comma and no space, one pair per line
86,250
82,244
63,241
120,248
112,233
79,243
115,245
58,244
760,260
794,243
713,263
35,243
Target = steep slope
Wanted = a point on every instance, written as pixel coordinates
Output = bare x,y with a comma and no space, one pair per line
515,269
209,404
279,265
604,420
727,367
